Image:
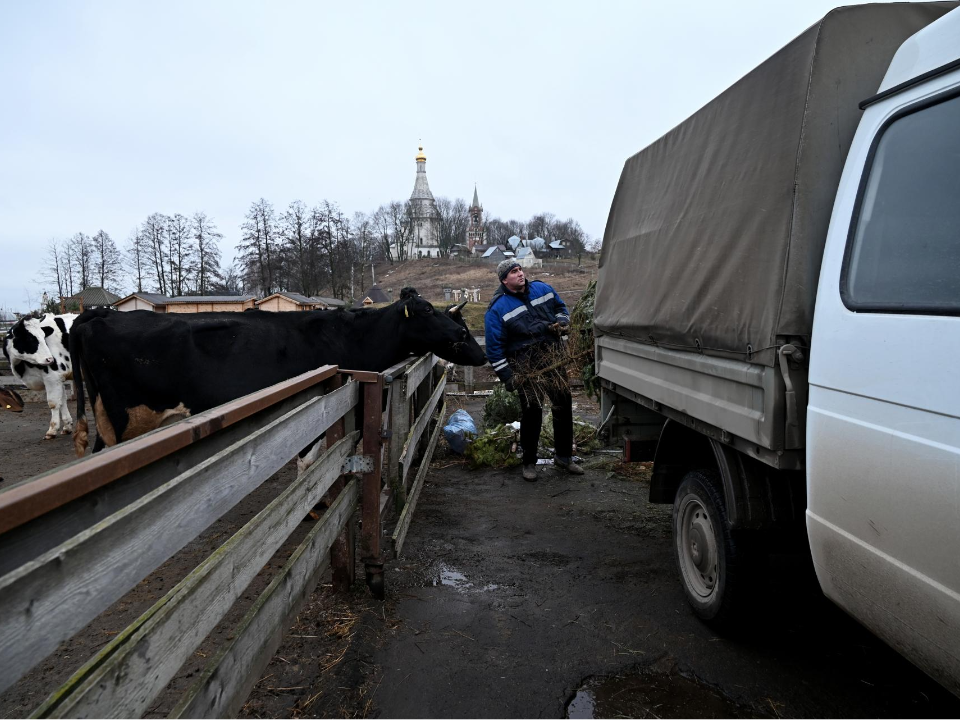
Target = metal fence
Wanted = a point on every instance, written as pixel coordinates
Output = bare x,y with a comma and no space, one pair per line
78,538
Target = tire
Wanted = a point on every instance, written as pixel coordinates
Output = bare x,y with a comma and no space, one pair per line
704,548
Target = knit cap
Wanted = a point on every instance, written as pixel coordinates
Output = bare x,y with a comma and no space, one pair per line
505,266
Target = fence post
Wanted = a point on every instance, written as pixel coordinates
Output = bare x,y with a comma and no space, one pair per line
371,530
342,556
400,426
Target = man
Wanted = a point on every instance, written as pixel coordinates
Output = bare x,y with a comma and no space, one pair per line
523,327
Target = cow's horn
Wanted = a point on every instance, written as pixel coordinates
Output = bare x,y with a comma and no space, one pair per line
455,310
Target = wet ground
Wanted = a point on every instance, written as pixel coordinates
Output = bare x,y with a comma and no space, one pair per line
550,599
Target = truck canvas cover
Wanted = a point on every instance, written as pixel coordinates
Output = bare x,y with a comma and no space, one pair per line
716,231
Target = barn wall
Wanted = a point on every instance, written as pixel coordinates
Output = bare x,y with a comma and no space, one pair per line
209,307
138,304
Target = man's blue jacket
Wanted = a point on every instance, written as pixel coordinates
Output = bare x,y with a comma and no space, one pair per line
515,321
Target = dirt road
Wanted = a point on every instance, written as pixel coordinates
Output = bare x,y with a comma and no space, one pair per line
544,599
522,600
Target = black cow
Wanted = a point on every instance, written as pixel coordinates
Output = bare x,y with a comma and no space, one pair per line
143,369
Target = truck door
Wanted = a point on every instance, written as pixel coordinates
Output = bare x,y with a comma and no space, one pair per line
883,432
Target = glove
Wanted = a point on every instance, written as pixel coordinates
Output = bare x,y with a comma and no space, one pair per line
510,384
555,329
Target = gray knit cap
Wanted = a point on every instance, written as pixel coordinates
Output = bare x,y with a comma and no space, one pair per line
505,266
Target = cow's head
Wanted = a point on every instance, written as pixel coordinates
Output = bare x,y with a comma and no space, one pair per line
10,400
26,341
423,329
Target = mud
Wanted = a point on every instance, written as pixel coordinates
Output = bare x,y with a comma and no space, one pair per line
550,599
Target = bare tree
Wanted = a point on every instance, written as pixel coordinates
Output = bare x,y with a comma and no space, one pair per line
107,261
541,225
364,241
154,231
383,230
453,219
570,232
137,257
258,247
401,226
299,249
229,280
206,239
81,250
54,270
180,253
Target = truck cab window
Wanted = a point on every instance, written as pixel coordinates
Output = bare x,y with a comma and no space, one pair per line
903,254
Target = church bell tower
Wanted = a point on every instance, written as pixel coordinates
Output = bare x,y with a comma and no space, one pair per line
475,231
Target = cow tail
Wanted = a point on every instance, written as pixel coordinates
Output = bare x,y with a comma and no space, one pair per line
80,433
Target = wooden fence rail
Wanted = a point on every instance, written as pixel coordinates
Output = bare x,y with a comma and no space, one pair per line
76,539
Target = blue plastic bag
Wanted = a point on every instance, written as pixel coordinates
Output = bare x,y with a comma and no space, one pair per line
459,431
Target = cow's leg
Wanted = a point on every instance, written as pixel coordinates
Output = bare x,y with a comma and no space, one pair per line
65,417
55,400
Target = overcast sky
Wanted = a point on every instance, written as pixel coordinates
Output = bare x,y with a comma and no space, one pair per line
112,111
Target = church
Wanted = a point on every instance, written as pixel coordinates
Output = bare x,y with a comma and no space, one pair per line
424,225
423,235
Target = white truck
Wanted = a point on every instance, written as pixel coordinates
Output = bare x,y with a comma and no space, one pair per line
778,322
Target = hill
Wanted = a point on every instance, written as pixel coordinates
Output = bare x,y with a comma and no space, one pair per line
430,277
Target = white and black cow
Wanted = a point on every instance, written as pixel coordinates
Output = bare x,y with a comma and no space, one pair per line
39,356
143,369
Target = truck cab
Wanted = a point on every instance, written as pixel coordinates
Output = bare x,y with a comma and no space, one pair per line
883,418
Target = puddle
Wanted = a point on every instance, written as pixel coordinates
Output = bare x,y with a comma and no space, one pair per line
582,705
646,694
451,577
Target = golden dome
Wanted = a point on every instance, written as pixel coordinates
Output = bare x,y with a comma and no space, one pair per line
420,156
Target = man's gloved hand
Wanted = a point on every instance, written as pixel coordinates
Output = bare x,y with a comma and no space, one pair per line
510,383
558,329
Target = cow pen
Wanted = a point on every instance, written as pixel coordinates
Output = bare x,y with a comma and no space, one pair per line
76,539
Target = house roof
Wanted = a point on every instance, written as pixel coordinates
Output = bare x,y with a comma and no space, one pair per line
524,252
210,299
375,295
152,298
329,301
490,251
514,240
558,245
296,297
537,242
93,296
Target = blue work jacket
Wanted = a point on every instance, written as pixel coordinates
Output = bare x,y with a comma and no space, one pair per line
515,321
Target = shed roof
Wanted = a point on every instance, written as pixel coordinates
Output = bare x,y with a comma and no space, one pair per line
296,297
93,296
334,302
375,295
152,298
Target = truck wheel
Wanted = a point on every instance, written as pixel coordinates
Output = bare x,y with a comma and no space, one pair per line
704,548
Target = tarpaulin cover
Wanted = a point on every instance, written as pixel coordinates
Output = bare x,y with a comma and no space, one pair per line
716,231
